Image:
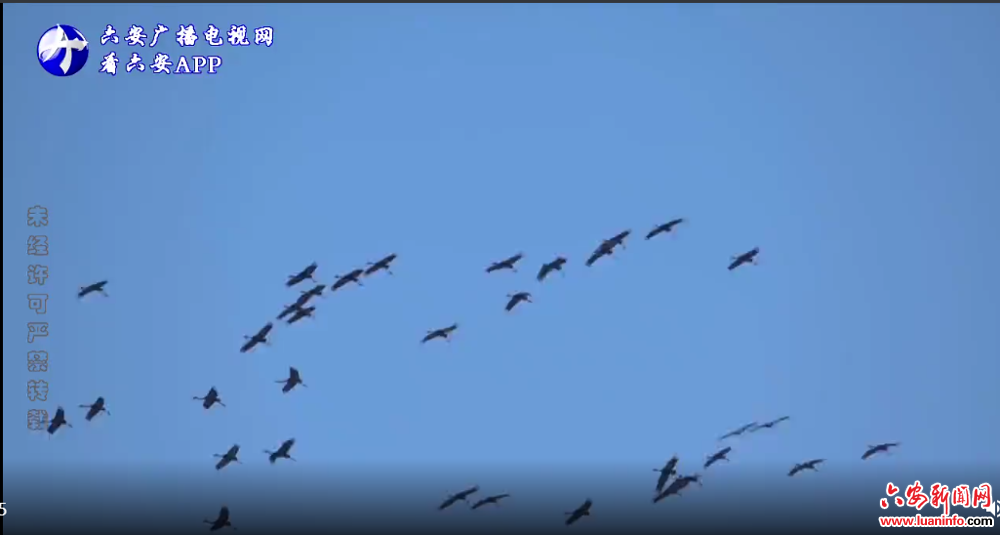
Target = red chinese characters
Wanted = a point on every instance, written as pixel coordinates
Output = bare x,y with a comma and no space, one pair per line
982,496
961,496
939,497
891,490
915,496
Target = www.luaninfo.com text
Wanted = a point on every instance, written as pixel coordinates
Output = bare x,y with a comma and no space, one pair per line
942,521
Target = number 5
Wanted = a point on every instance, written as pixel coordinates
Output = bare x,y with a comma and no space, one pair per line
3,509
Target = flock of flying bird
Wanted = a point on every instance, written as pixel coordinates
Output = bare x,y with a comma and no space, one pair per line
300,309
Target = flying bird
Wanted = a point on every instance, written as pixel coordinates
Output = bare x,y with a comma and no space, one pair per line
58,421
555,265
95,409
303,299
460,497
738,432
770,425
222,521
211,399
580,512
517,298
229,457
490,500
259,338
294,379
881,448
282,452
306,273
294,307
676,487
343,280
374,267
97,287
749,257
664,228
509,263
301,313
810,465
668,470
607,247
444,333
618,239
315,291
720,456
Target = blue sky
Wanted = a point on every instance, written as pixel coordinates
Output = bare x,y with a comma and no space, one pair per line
856,145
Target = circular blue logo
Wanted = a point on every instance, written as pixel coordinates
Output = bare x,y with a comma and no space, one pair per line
63,50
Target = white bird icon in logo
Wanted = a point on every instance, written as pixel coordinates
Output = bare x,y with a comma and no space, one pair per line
56,40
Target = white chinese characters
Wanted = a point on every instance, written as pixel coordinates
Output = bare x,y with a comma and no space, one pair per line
186,36
110,64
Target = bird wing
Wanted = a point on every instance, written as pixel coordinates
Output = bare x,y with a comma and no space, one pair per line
662,481
595,257
736,263
731,434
